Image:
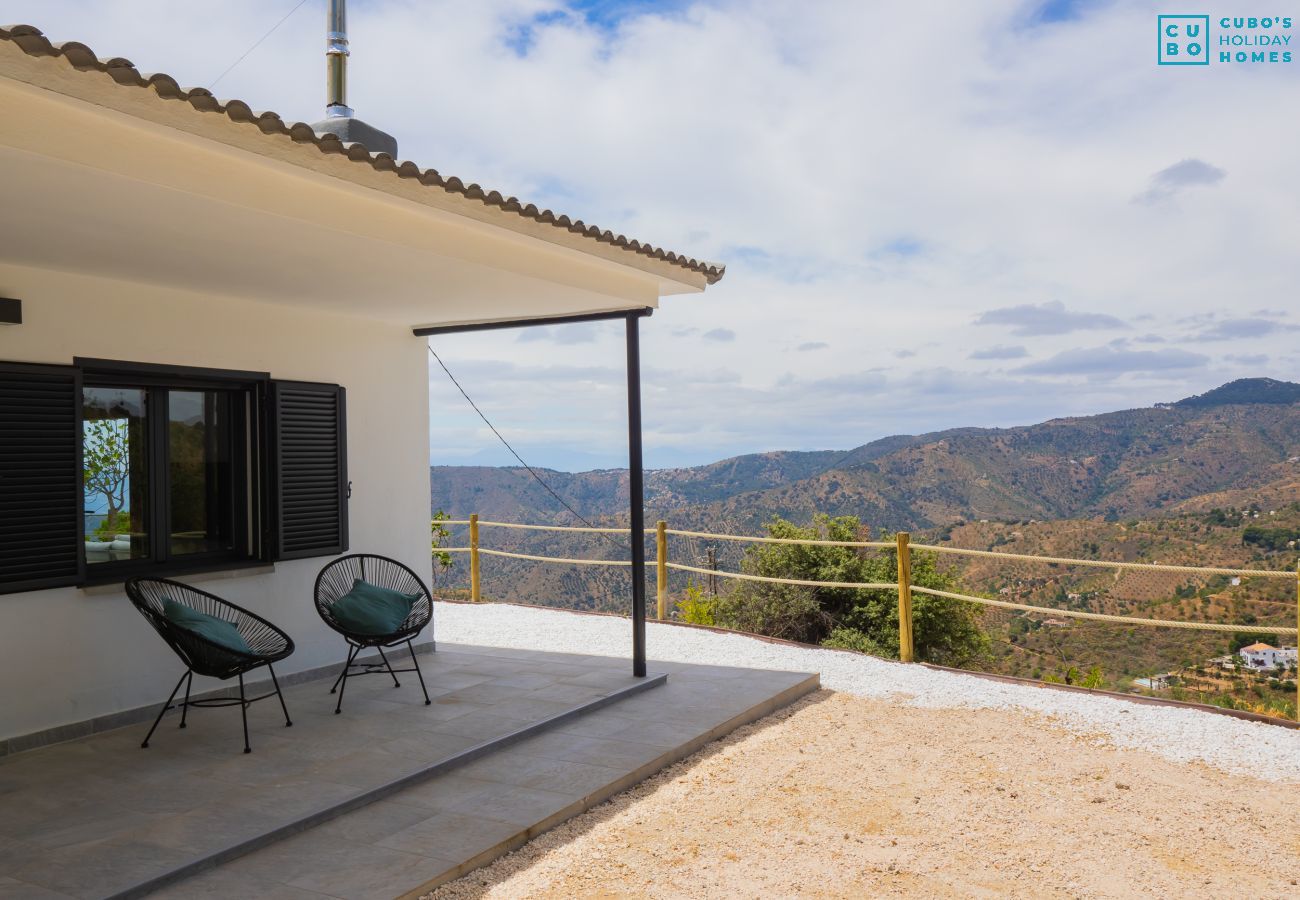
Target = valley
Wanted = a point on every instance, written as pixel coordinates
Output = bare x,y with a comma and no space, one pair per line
1208,481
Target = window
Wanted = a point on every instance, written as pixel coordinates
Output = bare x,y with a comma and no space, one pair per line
115,473
168,472
111,469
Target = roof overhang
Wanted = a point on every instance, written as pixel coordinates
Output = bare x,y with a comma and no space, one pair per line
119,183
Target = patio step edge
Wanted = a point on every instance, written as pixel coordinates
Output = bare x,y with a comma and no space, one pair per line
760,710
324,814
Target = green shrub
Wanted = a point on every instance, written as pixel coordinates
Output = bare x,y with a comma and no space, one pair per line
438,533
945,631
789,612
694,607
852,639
1273,539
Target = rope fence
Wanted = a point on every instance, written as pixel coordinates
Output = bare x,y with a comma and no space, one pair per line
483,523
556,559
1103,617
862,586
904,587
878,545
1109,564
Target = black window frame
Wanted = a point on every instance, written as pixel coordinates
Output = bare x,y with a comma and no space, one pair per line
250,515
296,485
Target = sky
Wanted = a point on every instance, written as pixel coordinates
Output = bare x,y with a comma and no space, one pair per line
932,214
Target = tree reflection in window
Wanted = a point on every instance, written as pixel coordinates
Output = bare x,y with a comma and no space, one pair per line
115,473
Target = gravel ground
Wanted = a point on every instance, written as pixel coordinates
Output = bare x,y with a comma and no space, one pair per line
1233,746
842,796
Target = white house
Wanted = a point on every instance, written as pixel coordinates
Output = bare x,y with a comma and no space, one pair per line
237,305
1266,656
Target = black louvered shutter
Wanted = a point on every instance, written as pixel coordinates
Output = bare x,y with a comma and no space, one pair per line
41,504
310,469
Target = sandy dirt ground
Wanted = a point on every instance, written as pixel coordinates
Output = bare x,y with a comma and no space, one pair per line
840,796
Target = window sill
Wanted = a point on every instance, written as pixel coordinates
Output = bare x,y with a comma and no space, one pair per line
112,583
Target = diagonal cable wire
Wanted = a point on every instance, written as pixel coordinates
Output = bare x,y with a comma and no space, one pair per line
256,44
513,452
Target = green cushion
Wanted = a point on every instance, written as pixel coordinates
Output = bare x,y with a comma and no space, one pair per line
219,631
372,610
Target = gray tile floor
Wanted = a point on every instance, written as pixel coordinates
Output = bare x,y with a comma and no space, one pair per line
94,816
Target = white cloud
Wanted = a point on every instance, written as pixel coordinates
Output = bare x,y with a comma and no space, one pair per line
1248,359
998,351
877,175
1112,361
1181,175
723,335
1046,318
1248,328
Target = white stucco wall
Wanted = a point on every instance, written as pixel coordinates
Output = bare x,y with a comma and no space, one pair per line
68,655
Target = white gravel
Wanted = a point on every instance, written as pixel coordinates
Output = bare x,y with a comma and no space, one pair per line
1232,745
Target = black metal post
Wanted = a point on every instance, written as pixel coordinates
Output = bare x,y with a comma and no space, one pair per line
636,492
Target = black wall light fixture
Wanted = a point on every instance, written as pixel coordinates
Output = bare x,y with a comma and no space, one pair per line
11,312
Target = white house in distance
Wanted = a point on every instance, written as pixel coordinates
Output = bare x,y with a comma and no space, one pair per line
237,305
1266,656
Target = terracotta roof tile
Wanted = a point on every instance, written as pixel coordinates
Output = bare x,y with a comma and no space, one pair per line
32,42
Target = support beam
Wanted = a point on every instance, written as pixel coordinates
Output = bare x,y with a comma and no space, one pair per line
636,491
636,474
529,323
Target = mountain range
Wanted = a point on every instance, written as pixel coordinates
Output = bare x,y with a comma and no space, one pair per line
1211,480
1237,443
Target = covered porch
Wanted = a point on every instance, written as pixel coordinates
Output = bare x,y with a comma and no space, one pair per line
160,235
167,243
391,798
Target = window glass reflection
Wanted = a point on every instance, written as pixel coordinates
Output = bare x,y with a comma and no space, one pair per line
199,472
115,476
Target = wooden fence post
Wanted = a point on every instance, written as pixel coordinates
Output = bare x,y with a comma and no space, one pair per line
905,645
661,567
475,592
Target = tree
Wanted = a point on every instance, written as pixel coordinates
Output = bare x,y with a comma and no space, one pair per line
106,465
945,631
439,533
694,607
1094,679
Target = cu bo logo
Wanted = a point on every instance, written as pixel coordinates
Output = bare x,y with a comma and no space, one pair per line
1184,40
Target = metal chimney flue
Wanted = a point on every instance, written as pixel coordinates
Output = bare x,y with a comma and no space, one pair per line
339,117
336,60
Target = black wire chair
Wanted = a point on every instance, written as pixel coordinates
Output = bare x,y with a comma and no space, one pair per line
336,579
267,643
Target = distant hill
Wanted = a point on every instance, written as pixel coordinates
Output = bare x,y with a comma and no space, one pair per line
1224,444
1110,466
512,493
1246,390
1212,480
